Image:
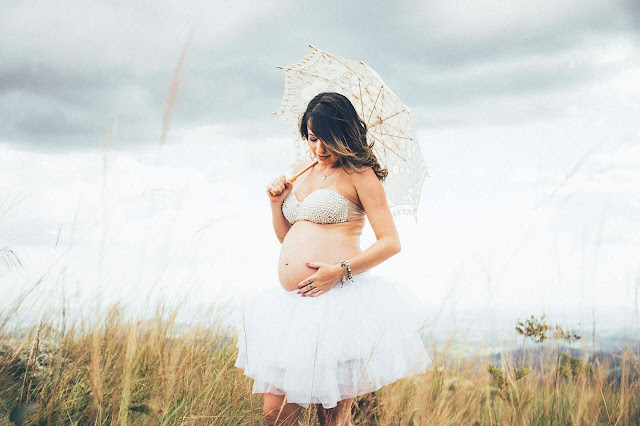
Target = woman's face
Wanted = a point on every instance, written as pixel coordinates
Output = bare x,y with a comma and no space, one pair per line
325,158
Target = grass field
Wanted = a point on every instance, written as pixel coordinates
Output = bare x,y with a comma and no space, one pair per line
113,369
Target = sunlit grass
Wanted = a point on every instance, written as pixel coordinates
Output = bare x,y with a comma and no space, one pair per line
115,369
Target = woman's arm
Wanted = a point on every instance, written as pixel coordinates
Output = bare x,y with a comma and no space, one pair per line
374,200
280,224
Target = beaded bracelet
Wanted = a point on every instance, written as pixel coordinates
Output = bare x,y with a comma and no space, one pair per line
345,263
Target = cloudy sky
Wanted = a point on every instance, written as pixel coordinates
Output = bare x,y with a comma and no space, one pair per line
526,113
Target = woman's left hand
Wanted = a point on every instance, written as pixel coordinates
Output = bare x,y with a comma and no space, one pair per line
326,276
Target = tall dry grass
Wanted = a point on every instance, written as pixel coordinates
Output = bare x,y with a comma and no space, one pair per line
125,371
115,369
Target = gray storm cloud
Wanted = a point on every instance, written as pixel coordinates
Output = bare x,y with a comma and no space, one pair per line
69,69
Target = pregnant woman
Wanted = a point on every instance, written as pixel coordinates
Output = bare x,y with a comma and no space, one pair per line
336,329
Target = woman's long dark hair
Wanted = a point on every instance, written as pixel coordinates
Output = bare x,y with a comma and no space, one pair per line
333,119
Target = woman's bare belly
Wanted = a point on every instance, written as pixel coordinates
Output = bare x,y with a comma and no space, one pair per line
311,242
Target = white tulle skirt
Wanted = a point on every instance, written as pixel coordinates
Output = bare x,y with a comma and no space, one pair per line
346,342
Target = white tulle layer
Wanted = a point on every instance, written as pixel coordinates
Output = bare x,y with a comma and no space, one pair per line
349,341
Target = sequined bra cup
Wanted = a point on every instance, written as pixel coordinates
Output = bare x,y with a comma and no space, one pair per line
322,206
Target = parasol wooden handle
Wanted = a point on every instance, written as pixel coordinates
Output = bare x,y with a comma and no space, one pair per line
294,177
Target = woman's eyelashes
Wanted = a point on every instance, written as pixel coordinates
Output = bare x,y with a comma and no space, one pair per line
314,140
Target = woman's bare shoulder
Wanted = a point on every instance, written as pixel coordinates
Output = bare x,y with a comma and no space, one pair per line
366,181
355,178
364,175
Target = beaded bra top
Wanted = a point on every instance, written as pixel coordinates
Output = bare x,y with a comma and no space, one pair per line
323,206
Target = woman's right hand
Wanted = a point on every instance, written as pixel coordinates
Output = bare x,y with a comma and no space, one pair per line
280,187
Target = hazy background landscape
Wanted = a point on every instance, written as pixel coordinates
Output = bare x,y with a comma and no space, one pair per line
527,116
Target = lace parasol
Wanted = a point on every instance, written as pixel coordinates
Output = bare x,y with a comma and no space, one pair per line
390,126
